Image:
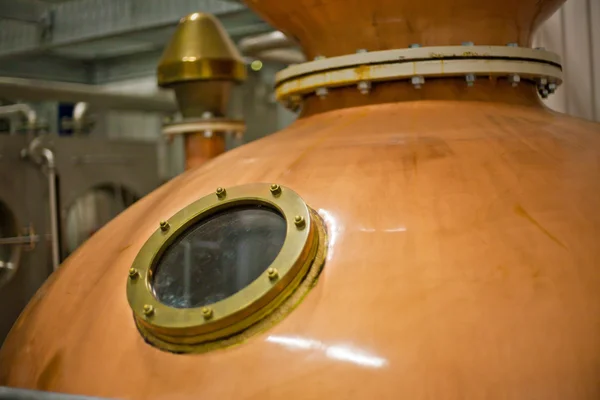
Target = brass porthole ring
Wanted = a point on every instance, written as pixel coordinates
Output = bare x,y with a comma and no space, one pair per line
179,329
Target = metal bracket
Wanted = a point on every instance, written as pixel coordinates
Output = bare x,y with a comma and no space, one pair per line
28,240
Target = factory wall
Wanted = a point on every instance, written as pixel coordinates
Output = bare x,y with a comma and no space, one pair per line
574,33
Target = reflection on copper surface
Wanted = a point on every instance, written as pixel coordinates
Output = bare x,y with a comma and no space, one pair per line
332,231
391,230
336,352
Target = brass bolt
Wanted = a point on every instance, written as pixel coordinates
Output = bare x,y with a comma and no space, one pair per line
133,273
299,221
221,193
275,189
207,313
164,226
148,310
272,273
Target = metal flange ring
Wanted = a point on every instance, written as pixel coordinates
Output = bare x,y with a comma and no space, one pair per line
302,79
214,125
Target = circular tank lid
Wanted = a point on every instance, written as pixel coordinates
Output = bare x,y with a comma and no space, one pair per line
223,264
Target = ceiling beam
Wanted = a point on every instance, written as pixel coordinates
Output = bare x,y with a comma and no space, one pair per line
83,21
30,11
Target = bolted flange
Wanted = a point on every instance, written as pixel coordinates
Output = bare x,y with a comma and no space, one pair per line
415,64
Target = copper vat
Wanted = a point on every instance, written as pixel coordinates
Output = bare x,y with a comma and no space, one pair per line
462,227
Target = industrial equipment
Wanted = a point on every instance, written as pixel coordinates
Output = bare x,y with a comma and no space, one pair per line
25,250
55,193
426,229
201,64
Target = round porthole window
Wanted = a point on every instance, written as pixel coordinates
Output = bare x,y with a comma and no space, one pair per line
219,256
222,264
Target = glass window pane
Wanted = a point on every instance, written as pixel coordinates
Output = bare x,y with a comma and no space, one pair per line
219,256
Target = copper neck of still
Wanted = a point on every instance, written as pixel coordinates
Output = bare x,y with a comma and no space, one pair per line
336,28
200,149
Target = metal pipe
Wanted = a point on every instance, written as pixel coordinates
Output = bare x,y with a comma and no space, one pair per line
38,90
21,109
9,393
284,56
267,41
48,155
79,113
19,240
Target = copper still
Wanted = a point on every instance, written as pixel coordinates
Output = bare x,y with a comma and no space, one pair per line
426,229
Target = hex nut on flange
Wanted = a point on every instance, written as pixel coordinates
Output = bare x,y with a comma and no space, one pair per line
133,273
364,87
322,92
221,193
470,78
299,221
207,312
275,189
272,273
148,310
164,226
417,81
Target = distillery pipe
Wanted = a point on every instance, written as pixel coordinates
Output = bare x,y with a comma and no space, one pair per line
36,90
79,113
283,56
48,157
10,393
20,109
273,46
253,45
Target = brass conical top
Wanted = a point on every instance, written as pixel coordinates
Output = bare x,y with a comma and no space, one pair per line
200,64
200,49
